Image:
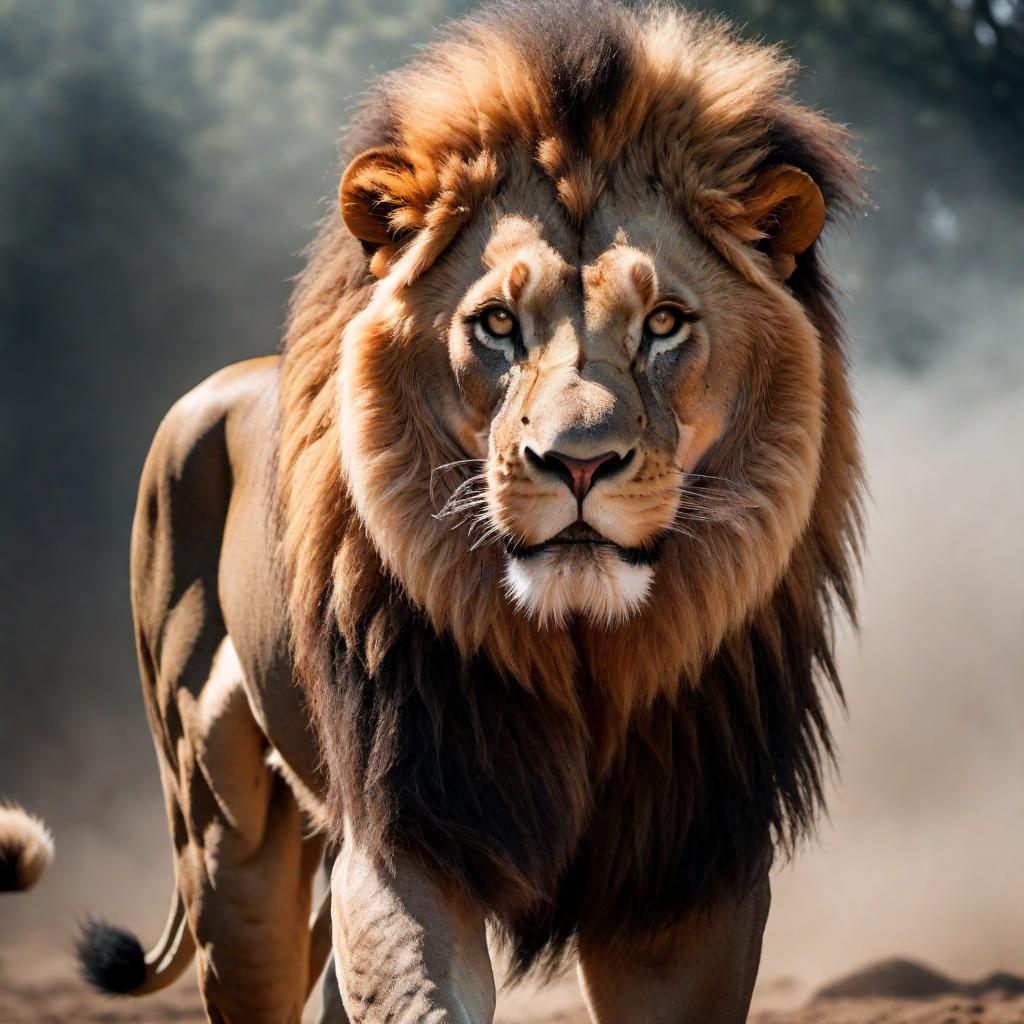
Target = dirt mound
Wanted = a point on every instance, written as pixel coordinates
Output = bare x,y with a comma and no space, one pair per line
905,979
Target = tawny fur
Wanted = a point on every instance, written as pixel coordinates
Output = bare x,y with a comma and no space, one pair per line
26,848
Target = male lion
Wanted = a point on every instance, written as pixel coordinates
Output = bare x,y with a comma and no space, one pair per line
542,510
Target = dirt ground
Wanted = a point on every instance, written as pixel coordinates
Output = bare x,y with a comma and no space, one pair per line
67,1003
57,997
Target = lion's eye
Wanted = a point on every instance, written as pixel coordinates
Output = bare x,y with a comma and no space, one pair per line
664,321
499,322
665,328
496,328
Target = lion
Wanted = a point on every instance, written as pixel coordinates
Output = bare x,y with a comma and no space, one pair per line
26,848
507,588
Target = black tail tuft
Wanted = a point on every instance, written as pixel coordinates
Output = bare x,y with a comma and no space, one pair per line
10,867
110,959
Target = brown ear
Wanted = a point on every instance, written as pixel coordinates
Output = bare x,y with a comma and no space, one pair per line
786,210
376,192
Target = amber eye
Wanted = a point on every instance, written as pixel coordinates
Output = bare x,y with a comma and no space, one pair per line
663,321
498,322
496,328
666,328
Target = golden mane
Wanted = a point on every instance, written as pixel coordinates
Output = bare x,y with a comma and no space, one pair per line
730,654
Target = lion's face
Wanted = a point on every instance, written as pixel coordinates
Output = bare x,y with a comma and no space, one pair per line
598,376
587,377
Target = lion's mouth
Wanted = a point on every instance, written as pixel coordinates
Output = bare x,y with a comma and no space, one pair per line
580,535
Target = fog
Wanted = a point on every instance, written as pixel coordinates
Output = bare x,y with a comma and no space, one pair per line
162,164
923,851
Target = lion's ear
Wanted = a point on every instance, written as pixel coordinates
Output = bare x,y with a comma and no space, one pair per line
785,211
378,196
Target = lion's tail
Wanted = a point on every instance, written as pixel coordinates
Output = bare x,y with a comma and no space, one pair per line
113,960
26,848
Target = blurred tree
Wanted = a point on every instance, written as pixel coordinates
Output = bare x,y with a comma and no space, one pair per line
934,90
94,183
956,53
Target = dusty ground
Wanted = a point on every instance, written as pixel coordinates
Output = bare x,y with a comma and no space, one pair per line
65,1003
56,997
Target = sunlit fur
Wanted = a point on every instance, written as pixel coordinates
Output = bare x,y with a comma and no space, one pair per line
512,151
26,848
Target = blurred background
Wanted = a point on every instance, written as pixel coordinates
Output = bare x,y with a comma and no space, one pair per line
162,164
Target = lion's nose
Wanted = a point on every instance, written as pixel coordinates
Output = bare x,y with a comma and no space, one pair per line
579,475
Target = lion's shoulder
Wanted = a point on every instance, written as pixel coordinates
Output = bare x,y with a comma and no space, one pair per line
213,445
235,393
216,432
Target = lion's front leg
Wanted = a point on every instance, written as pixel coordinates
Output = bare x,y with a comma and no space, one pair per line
701,973
406,952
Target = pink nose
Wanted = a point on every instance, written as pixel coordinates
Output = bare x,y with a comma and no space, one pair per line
580,475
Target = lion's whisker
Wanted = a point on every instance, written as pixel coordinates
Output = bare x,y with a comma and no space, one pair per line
489,535
682,531
453,506
445,466
469,481
459,498
705,476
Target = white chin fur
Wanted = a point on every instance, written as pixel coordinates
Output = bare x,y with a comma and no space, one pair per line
554,584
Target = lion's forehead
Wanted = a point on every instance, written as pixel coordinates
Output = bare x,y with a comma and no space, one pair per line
602,280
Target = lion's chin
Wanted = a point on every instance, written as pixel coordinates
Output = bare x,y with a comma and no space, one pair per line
594,581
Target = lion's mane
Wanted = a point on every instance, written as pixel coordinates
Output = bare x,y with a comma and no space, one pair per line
595,781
